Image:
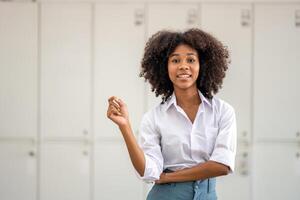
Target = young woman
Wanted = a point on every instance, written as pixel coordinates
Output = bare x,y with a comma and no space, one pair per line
190,137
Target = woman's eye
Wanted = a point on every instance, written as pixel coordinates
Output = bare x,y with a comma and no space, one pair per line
191,60
175,61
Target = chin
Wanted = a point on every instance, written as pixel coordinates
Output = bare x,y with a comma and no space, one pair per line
184,87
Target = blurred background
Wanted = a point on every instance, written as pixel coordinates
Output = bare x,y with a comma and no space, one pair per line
60,60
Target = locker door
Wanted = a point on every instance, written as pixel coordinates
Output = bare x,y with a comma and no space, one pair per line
119,42
114,174
276,73
18,70
276,171
65,69
232,24
65,171
18,170
178,17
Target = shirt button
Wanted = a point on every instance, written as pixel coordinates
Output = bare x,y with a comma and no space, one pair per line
196,186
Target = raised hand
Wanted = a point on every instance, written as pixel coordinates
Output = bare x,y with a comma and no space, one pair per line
117,111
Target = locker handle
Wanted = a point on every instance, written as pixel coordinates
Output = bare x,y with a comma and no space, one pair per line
85,153
244,164
244,140
31,153
192,16
85,132
138,17
245,17
297,18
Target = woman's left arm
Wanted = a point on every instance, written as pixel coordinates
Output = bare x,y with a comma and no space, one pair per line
201,171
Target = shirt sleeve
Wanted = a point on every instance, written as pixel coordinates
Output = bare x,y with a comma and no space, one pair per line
225,147
149,141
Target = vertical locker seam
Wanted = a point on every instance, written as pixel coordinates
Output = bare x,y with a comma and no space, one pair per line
92,68
39,149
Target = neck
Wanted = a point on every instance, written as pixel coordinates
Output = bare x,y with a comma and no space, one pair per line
188,97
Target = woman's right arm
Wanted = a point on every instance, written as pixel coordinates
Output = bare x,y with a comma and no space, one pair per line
118,113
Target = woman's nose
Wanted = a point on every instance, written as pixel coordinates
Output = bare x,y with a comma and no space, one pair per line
184,67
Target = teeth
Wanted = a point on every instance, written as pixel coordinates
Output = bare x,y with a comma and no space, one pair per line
184,76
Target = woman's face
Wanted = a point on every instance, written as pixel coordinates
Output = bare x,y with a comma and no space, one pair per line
184,67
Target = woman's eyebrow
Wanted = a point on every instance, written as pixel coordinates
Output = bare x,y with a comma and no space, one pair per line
177,54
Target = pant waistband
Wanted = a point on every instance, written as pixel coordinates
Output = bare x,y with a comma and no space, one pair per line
209,184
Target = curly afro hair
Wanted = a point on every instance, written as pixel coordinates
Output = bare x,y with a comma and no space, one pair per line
213,57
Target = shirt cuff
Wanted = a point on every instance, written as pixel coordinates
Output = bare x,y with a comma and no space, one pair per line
151,173
225,157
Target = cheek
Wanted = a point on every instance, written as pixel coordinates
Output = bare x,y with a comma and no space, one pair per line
196,70
171,71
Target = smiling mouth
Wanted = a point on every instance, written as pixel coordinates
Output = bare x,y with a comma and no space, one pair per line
184,76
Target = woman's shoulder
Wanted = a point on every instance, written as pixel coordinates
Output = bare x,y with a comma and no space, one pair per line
152,112
221,105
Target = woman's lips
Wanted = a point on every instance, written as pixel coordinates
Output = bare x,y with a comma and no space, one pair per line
184,76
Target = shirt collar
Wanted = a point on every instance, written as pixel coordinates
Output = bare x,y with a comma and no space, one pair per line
172,100
204,99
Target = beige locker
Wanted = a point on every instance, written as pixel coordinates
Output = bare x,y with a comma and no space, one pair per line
66,42
18,70
276,70
18,170
65,171
276,96
276,171
65,69
119,32
18,100
119,42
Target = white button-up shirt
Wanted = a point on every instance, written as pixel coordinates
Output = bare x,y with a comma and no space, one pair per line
171,141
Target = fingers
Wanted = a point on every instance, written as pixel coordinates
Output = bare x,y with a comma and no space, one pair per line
112,110
113,98
114,106
114,102
118,103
